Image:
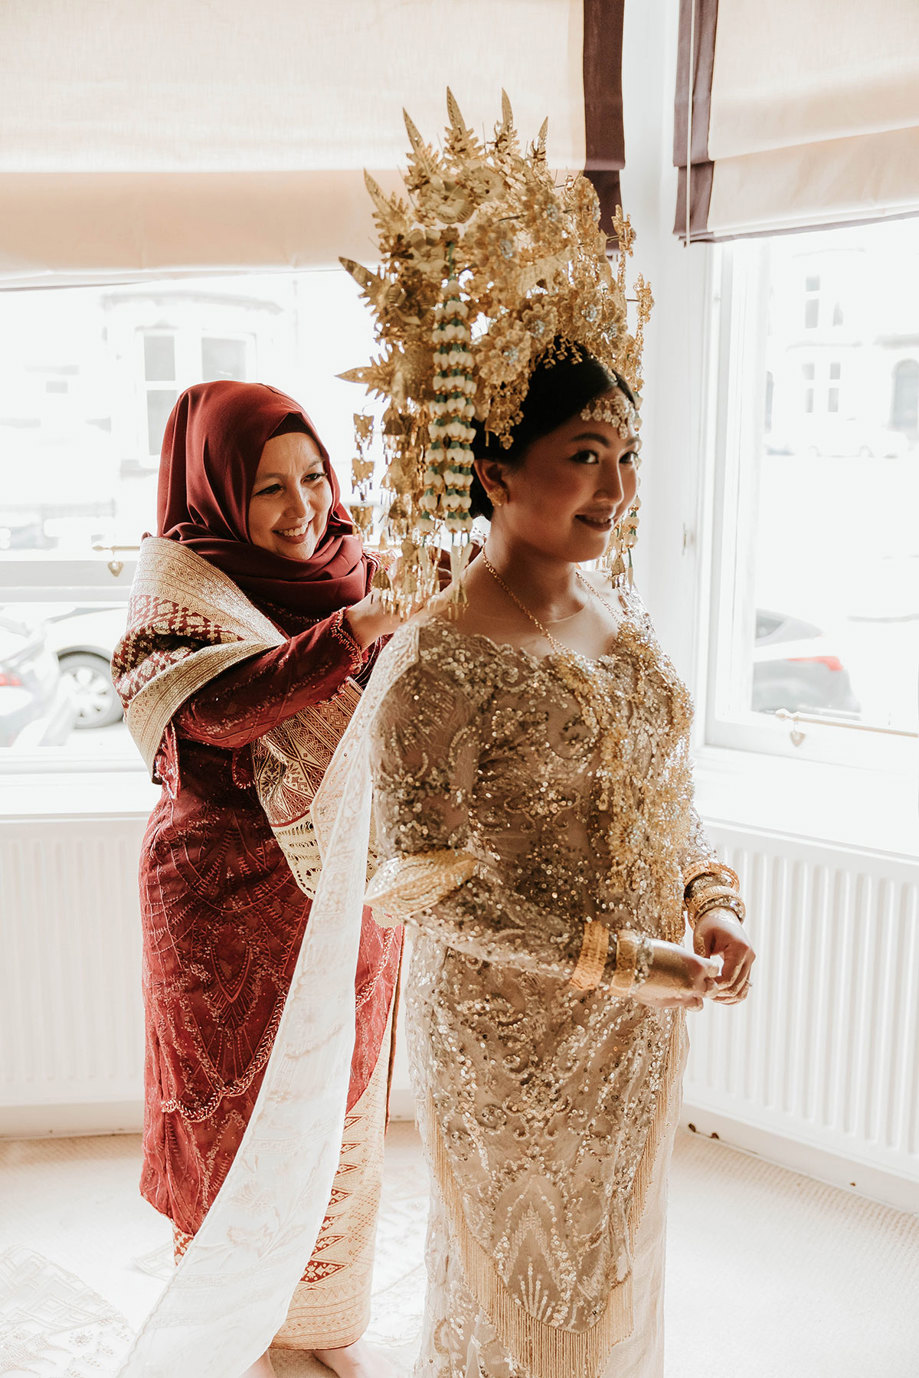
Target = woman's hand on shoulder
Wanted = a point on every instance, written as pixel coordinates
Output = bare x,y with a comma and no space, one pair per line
368,620
677,979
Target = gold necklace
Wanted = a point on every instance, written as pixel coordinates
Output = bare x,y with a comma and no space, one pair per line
556,645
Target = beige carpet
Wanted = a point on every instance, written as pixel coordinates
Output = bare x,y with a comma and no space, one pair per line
770,1275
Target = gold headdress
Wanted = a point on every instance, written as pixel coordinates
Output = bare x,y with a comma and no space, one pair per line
486,267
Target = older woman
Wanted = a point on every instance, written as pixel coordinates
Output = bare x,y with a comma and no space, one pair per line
251,629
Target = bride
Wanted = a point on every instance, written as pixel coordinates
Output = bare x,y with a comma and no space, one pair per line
532,794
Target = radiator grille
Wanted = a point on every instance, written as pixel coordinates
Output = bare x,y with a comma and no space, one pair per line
826,1050
70,1004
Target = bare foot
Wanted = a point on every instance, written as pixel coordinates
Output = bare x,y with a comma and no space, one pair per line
262,1368
356,1361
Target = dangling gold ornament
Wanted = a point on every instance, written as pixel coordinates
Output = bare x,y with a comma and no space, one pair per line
362,467
486,266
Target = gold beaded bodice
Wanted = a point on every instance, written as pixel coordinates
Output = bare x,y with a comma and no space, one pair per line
570,776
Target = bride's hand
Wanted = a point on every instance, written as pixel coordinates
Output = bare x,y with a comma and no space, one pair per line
720,933
677,979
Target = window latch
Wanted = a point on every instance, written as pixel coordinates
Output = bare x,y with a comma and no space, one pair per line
795,732
115,566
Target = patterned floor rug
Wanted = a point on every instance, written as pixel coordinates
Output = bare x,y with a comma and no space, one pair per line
52,1325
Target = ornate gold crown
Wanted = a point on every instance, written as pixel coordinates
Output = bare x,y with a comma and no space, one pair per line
486,267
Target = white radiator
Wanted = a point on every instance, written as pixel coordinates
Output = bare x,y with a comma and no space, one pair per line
825,1053
71,1023
820,1069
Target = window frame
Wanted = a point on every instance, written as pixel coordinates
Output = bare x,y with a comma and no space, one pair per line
44,578
735,366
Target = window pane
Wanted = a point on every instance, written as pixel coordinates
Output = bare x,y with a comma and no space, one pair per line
159,358
56,690
223,359
78,468
825,580
811,313
160,402
904,413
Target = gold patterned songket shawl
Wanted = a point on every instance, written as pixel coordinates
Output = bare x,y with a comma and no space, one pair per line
187,622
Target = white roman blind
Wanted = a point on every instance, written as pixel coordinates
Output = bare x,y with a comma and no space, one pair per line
171,137
791,115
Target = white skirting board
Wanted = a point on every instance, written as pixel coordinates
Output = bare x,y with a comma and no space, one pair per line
819,1070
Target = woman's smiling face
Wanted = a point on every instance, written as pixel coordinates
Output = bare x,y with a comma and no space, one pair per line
291,497
569,489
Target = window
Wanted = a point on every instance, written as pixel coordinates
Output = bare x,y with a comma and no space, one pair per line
769,403
809,373
88,378
817,547
904,409
223,359
160,380
832,392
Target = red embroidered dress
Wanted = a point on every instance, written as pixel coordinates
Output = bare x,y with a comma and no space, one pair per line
223,919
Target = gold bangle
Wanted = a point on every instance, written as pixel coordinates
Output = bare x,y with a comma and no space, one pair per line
733,902
592,957
710,892
715,869
626,956
705,881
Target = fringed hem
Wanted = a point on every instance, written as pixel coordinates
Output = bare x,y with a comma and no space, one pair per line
546,1351
657,1131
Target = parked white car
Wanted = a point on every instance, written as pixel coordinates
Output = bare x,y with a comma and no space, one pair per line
83,639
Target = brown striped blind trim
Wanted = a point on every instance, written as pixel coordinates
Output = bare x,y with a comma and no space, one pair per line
603,128
694,86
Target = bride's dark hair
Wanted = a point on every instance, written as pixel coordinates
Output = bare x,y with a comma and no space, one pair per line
559,389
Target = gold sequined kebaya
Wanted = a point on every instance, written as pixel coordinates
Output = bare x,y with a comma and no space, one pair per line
507,815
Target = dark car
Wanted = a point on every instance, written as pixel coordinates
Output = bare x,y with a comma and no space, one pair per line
36,708
795,666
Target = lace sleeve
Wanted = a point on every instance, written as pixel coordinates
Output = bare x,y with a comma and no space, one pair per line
425,746
254,697
698,851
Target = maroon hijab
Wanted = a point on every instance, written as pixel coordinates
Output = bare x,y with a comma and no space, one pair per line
213,442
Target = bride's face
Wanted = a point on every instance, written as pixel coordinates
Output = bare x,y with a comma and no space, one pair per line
569,490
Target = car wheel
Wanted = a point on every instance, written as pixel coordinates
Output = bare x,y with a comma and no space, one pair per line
97,703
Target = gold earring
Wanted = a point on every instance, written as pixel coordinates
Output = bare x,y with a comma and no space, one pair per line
497,497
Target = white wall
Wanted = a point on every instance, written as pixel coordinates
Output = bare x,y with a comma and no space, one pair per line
668,552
